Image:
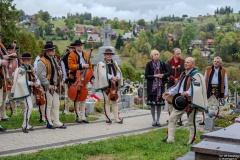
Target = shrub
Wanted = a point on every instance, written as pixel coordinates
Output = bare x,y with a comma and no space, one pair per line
98,106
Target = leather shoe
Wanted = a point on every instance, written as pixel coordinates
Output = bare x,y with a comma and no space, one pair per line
25,130
85,121
31,129
154,123
78,121
49,126
62,126
108,121
158,125
120,122
5,119
3,129
179,123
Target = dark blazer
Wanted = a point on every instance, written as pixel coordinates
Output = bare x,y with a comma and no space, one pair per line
149,75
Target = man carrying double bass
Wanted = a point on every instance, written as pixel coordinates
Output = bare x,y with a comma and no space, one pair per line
77,60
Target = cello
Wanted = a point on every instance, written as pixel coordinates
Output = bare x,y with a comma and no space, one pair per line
78,91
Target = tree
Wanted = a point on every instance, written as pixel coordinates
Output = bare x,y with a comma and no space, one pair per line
123,24
119,42
189,33
28,43
48,29
200,61
160,41
128,71
69,23
133,52
45,16
115,23
96,21
141,22
8,17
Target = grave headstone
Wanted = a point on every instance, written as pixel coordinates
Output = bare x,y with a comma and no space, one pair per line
107,44
224,143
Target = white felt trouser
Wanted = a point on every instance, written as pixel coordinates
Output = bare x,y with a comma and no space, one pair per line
66,100
27,112
175,115
51,110
3,95
114,107
170,107
80,110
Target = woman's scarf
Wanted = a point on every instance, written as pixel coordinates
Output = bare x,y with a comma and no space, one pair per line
157,82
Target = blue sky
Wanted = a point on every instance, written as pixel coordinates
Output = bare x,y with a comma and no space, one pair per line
126,9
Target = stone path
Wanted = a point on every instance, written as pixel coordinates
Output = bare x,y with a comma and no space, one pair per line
135,121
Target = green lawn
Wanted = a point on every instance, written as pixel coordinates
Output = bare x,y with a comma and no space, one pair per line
144,146
16,121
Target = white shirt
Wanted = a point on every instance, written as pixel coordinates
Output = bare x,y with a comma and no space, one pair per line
215,79
174,90
64,71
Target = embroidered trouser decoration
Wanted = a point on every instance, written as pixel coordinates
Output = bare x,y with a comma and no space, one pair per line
28,111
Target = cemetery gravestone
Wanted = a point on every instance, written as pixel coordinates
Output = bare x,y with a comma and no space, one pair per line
224,143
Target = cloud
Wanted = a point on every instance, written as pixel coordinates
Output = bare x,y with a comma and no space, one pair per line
126,9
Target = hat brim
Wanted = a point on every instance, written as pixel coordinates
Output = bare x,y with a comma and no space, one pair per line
179,107
78,43
109,53
12,48
25,58
49,48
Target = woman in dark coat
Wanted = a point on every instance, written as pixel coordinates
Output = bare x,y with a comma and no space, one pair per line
156,74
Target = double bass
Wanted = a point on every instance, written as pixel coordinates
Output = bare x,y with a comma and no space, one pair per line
78,91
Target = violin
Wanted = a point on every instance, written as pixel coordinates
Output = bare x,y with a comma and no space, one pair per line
40,100
113,95
78,91
37,91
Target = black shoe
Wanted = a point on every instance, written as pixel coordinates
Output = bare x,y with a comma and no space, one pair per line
120,122
154,123
158,125
2,129
5,119
31,129
62,126
179,123
49,126
201,123
25,130
85,121
78,121
108,121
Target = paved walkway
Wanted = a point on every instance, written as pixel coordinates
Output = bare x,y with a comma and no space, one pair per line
135,121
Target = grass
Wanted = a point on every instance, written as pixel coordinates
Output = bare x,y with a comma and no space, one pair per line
143,146
225,121
15,122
